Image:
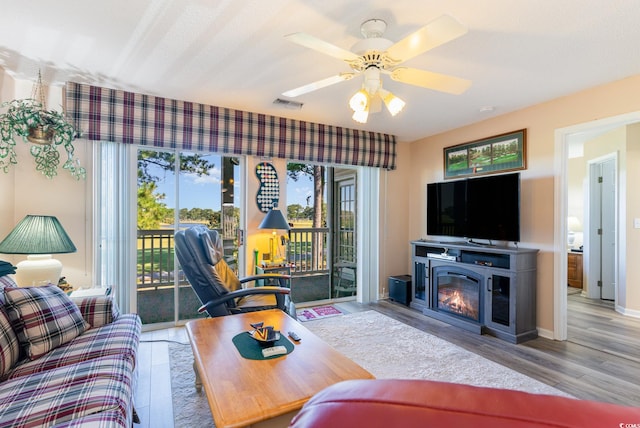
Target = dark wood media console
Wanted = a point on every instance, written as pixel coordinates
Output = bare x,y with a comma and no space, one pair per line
484,289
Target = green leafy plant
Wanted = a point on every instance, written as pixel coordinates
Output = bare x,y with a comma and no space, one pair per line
45,130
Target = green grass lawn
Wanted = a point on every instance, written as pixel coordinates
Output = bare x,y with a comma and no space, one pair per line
155,259
481,160
458,165
510,157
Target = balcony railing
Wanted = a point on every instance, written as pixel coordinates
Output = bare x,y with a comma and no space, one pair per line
155,267
307,249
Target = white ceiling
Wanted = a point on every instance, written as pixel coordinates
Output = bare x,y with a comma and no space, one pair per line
233,54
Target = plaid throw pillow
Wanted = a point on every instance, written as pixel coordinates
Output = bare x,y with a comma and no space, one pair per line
5,281
44,318
9,346
98,310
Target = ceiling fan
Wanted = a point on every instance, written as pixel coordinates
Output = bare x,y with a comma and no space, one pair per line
374,56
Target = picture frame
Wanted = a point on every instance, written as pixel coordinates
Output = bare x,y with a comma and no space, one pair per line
499,153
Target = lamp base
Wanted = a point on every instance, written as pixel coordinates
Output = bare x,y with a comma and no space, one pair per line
38,270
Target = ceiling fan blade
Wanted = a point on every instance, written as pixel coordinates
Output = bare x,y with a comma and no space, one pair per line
435,33
318,84
431,80
311,42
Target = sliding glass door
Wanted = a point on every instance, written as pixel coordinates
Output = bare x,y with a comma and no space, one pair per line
344,231
177,190
322,246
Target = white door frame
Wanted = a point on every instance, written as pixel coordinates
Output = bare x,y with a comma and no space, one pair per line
563,136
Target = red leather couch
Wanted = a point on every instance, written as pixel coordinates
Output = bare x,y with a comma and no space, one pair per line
420,403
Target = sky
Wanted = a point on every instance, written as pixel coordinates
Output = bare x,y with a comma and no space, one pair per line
204,191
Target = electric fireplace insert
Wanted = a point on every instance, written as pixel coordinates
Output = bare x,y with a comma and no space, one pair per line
457,292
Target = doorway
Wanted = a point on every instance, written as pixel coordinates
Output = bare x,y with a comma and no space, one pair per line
564,139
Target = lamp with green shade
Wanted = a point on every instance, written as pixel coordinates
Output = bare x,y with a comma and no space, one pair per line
38,236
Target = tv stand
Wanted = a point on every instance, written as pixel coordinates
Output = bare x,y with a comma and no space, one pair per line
506,279
479,244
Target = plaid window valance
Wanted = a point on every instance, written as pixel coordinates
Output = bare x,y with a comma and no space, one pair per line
103,114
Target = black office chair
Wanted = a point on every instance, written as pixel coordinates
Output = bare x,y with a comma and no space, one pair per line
200,253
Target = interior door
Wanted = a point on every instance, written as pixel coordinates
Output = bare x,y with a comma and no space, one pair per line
608,230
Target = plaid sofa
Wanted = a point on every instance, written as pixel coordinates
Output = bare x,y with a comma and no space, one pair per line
65,363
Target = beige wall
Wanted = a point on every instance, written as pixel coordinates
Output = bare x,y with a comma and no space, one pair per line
537,199
576,186
25,191
394,225
7,180
630,300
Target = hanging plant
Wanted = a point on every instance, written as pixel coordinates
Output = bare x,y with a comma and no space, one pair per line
45,129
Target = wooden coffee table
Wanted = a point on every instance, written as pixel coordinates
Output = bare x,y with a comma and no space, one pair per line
243,392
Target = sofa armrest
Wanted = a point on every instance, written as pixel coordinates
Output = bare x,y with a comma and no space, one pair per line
98,310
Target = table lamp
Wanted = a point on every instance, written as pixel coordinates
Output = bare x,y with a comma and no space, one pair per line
38,236
573,226
273,220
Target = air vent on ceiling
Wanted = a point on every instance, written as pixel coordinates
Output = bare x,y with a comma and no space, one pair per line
292,105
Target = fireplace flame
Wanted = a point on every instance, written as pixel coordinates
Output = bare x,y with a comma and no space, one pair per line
455,302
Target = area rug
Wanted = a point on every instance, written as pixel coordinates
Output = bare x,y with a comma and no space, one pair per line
190,407
317,312
390,349
385,347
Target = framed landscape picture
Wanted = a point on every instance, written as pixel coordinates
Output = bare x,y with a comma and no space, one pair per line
500,153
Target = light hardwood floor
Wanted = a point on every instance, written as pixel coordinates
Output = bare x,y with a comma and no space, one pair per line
153,393
600,361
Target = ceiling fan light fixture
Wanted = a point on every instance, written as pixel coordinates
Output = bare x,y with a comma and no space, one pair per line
393,103
375,55
359,101
361,116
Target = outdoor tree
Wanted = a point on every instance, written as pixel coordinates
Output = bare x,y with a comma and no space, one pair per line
294,211
151,210
307,212
150,164
203,215
316,173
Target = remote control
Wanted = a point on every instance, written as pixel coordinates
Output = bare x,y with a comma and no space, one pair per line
294,336
274,350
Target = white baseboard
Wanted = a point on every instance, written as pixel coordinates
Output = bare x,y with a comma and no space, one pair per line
547,334
628,312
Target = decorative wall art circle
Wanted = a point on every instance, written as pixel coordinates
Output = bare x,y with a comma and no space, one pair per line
268,194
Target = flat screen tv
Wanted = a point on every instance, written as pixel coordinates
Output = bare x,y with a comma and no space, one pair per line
475,208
